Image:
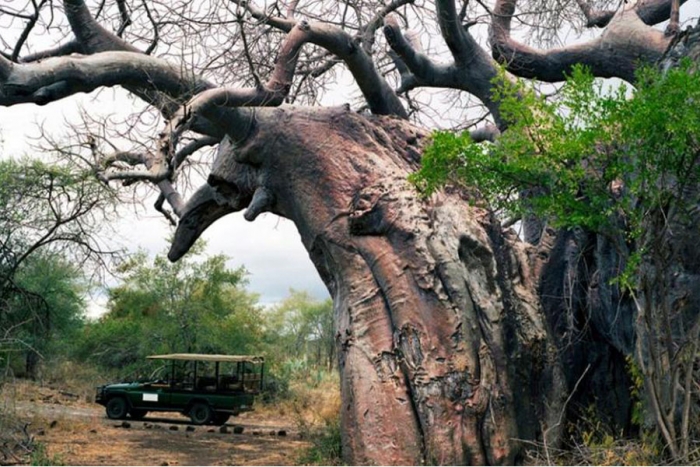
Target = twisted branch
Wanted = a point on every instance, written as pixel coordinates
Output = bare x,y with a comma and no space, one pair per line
627,41
380,97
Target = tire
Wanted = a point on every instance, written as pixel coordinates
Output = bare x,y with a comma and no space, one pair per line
138,414
116,408
201,413
220,418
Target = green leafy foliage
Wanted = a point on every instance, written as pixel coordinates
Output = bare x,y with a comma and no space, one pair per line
326,445
626,168
195,305
299,340
52,218
582,158
40,456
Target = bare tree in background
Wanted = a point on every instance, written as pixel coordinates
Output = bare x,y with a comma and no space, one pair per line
447,325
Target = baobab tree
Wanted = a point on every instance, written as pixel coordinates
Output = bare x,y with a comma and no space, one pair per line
456,339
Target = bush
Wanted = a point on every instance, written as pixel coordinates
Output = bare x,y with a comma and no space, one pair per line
326,445
40,456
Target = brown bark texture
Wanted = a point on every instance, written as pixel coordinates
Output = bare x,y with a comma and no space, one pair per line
444,352
457,343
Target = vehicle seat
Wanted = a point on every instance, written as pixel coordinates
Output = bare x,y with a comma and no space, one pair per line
230,382
206,383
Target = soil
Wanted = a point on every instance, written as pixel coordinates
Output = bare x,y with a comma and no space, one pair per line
76,432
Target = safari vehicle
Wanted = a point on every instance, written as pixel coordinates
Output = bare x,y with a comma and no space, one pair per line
207,388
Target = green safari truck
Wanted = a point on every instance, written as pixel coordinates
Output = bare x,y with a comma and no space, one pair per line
207,388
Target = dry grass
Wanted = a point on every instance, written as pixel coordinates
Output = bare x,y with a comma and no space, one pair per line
76,379
70,431
311,405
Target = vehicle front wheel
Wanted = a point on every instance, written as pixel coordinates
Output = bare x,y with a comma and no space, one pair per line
116,408
220,418
201,413
138,414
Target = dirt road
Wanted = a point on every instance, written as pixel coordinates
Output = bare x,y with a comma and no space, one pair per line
78,433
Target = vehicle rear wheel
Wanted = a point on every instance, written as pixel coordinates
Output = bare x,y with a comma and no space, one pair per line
201,413
116,408
220,418
138,414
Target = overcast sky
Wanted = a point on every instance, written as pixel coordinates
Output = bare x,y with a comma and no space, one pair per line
270,248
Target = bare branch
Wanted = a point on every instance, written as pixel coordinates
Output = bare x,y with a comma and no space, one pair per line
382,100
156,34
246,51
626,43
62,50
370,30
126,17
57,78
458,40
656,11
158,205
27,30
410,53
674,26
292,8
473,72
160,166
92,37
192,147
594,17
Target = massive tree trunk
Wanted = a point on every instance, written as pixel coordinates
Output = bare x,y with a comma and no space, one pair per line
444,352
455,340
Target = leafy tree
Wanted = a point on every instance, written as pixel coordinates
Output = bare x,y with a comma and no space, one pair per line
301,328
198,305
625,168
52,220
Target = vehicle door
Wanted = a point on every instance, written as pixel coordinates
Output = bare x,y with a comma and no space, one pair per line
156,394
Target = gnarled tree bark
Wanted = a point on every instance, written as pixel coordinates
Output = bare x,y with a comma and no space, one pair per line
444,353
450,331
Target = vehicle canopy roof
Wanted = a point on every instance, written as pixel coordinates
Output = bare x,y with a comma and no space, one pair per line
208,357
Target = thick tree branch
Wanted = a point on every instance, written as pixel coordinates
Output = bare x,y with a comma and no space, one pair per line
370,30
626,42
56,78
162,165
89,33
473,72
192,147
5,68
382,100
93,38
595,18
462,45
270,94
411,57
68,48
674,26
651,12
655,11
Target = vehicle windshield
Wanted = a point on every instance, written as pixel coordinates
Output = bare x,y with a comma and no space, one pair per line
160,374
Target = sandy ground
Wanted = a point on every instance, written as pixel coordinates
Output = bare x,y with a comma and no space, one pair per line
79,433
